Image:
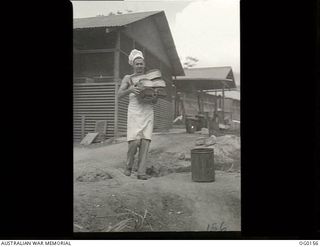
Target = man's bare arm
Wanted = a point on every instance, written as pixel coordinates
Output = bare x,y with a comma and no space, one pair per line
126,89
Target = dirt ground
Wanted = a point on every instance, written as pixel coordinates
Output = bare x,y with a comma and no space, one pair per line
105,200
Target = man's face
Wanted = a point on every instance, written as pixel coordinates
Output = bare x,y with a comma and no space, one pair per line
138,66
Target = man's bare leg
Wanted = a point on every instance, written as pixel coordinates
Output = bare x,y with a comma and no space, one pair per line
132,150
142,165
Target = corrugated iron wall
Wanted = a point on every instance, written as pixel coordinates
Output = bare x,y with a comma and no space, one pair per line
236,110
163,115
122,115
95,101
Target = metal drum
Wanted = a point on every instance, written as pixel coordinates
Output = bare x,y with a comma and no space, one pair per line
202,165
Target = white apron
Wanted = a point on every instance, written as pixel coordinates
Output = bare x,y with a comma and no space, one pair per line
140,119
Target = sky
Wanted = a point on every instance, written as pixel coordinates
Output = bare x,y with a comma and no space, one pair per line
208,30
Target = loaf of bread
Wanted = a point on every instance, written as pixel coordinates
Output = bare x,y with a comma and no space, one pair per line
151,84
153,92
150,79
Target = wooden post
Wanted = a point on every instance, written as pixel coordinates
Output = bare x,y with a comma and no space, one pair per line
83,120
223,103
215,112
173,97
215,118
210,125
199,103
177,105
183,106
202,101
116,75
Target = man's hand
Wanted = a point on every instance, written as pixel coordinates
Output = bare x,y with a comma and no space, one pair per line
154,100
135,90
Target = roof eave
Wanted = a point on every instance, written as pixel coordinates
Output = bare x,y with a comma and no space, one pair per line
202,79
165,33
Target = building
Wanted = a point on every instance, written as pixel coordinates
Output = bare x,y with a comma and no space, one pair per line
231,104
197,92
101,48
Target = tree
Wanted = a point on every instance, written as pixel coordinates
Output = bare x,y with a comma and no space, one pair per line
119,12
190,62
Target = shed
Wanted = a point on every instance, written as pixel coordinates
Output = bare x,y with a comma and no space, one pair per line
231,103
101,47
193,89
207,78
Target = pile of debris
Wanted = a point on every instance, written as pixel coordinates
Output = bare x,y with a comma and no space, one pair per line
226,156
226,148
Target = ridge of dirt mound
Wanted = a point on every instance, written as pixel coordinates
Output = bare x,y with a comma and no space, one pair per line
227,151
93,176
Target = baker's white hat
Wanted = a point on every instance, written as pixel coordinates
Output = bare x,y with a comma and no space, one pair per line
135,54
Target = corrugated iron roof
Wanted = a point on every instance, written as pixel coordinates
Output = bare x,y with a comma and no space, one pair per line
111,20
208,78
206,73
203,84
126,19
230,94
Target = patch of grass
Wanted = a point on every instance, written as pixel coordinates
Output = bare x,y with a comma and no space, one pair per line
133,222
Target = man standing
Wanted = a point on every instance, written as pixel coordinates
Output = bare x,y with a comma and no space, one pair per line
140,117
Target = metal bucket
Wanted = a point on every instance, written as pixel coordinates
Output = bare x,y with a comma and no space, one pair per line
202,165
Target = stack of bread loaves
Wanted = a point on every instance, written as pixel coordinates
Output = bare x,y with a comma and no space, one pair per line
151,83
